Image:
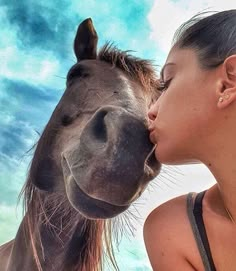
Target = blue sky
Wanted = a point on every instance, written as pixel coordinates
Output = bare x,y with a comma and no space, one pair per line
36,53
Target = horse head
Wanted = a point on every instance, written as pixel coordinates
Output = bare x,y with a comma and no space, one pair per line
95,147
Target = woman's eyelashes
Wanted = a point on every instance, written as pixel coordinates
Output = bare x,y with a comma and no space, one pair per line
164,85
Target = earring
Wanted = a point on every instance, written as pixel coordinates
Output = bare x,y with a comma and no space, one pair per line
221,99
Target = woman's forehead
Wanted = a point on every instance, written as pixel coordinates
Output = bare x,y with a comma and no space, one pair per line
181,57
177,54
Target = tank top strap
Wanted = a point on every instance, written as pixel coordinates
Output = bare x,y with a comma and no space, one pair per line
194,210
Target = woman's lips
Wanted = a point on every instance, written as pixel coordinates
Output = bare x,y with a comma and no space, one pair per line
152,137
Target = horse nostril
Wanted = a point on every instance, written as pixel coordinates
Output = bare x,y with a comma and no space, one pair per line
99,128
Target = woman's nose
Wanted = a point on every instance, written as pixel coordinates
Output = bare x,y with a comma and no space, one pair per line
152,112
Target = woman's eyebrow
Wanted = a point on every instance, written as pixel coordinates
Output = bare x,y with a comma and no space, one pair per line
167,64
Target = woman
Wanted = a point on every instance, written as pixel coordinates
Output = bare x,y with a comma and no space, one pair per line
194,120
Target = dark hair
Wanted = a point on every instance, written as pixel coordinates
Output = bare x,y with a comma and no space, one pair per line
212,37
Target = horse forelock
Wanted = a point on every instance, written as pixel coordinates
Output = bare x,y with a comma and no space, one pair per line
141,70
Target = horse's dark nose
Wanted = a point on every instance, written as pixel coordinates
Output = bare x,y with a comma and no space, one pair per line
115,125
98,125
116,143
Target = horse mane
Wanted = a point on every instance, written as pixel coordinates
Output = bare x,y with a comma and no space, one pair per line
53,211
44,208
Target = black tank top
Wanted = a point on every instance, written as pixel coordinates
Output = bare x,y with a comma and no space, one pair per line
196,220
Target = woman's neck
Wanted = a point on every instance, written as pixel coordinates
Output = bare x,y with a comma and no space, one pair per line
223,167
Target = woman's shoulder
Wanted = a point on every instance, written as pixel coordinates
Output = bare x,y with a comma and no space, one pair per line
167,231
169,211
168,218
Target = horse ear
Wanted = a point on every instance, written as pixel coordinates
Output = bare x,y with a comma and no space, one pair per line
85,43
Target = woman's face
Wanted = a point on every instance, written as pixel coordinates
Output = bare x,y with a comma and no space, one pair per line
183,118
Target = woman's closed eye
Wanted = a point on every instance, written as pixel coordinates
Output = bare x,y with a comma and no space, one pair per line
164,85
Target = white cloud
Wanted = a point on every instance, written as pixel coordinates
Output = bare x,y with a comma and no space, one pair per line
38,67
166,16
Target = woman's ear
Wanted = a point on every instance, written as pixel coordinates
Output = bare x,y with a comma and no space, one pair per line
227,91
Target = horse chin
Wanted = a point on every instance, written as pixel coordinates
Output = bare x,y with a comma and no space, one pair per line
89,207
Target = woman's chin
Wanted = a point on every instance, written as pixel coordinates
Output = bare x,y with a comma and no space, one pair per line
171,156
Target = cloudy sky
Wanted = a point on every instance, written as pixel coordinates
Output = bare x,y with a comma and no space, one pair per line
36,53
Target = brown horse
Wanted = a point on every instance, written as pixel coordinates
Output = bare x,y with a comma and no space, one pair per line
92,161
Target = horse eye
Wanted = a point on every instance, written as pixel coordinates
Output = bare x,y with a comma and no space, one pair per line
66,120
78,71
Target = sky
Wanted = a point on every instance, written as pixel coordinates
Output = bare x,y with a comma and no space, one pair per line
36,53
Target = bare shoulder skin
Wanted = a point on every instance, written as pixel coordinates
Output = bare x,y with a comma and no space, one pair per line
169,240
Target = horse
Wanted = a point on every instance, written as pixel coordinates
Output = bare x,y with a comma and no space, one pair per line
93,159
